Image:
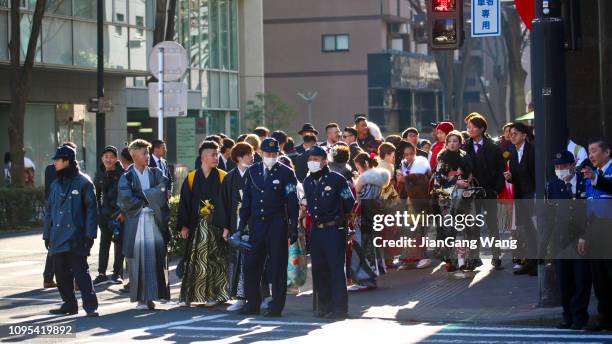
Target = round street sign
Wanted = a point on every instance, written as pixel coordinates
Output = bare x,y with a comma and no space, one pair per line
175,60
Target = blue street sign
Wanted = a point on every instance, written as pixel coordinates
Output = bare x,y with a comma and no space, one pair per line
486,18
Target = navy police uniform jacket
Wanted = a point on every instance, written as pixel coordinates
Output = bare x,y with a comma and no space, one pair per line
71,214
330,199
276,196
566,215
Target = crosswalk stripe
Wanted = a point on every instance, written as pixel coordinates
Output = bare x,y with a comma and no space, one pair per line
20,263
228,329
520,335
506,329
30,272
270,322
460,341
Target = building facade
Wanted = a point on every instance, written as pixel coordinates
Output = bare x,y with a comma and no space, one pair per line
325,47
64,76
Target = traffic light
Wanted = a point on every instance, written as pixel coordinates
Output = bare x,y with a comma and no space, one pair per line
445,24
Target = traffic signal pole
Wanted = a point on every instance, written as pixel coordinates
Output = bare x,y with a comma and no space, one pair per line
548,79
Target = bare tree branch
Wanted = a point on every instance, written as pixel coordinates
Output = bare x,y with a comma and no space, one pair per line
416,5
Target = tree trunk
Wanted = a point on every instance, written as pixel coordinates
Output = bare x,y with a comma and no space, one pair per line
160,21
445,65
170,27
465,71
20,77
514,42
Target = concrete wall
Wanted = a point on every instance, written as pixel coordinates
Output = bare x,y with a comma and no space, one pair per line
251,50
294,61
339,97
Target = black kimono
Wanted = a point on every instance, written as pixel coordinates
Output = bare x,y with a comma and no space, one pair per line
226,216
205,277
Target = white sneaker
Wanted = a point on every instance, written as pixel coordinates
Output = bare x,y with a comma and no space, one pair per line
211,303
356,287
265,304
142,307
423,263
461,275
517,266
236,306
151,305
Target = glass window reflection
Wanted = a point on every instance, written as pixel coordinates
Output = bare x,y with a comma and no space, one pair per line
56,38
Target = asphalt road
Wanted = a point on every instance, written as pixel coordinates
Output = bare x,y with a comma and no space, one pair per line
24,306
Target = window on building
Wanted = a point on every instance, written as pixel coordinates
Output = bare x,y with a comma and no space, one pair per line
26,27
85,46
56,35
62,7
333,43
137,11
116,53
3,35
85,9
204,53
138,49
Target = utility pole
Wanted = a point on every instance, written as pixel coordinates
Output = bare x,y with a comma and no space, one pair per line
549,93
100,117
309,97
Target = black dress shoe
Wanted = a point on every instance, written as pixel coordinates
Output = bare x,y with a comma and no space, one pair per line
336,316
578,327
497,264
64,311
533,271
527,269
272,314
93,314
564,326
320,314
599,326
246,310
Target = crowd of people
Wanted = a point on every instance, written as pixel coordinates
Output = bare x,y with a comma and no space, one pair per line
248,201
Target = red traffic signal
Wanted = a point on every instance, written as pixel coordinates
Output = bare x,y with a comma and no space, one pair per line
445,24
444,5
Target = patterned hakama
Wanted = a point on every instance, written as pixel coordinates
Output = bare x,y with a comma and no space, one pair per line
148,269
206,267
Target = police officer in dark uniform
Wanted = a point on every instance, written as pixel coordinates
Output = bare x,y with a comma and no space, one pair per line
69,232
270,208
329,201
565,195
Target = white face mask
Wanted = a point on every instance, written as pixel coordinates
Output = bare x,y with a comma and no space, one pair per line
314,166
269,162
563,174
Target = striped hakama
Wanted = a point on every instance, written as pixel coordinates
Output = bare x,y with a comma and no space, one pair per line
148,268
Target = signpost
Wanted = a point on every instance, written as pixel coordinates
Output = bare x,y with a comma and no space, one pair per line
168,63
486,18
100,105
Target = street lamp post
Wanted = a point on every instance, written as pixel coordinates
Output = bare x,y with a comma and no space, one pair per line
100,117
309,97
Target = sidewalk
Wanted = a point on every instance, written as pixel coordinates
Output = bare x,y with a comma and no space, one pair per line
433,295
